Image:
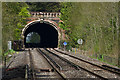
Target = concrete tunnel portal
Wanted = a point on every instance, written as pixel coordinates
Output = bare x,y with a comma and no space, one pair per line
47,31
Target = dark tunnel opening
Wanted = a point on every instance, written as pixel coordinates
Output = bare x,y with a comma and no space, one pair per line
48,36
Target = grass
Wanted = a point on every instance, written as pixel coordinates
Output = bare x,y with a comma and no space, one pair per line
102,60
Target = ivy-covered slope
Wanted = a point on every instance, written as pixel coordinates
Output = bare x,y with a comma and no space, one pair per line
95,23
14,16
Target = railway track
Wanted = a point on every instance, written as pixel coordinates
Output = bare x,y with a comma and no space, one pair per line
93,68
67,67
64,66
33,73
105,67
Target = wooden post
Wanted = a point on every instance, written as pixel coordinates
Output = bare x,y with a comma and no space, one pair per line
118,33
5,62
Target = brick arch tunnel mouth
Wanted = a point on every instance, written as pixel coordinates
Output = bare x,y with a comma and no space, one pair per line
46,36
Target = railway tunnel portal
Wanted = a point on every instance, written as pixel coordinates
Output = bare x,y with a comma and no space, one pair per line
47,34
45,26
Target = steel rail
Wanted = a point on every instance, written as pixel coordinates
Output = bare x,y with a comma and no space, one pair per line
105,67
103,78
52,63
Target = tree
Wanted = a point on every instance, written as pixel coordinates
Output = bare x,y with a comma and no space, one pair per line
44,6
11,21
23,14
99,32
